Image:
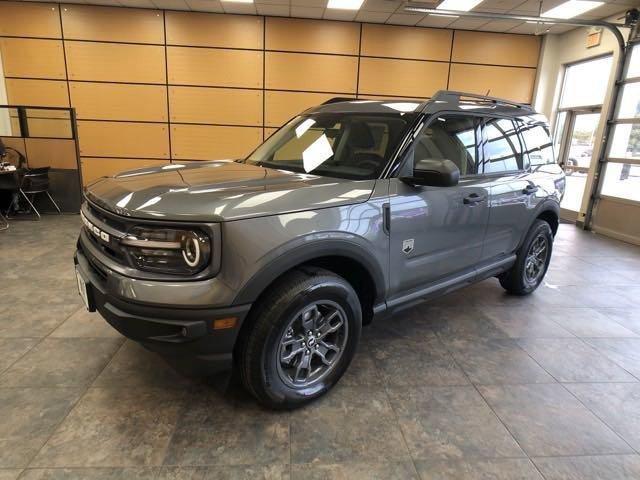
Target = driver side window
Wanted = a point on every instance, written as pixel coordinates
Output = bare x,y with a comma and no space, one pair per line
452,138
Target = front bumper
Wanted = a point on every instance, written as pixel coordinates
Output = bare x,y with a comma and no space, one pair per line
184,336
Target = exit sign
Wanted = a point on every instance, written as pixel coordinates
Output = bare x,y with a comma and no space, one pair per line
593,38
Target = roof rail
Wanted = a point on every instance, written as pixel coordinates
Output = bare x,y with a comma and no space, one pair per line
338,99
444,94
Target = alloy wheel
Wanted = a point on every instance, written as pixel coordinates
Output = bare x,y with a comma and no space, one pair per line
312,344
536,259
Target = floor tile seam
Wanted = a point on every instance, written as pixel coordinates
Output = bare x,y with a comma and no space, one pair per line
584,405
78,400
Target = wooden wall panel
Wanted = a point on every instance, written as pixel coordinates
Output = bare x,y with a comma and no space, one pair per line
114,101
112,24
51,152
21,19
123,139
222,68
203,142
227,106
496,48
405,78
93,168
14,127
43,93
406,42
311,72
110,62
317,36
279,107
16,143
511,83
49,127
269,131
214,30
227,80
32,58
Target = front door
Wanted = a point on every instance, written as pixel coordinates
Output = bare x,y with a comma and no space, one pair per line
576,156
437,232
513,193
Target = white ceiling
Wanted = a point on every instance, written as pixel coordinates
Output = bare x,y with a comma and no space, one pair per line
384,11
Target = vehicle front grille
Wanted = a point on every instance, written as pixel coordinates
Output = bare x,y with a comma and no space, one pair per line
109,224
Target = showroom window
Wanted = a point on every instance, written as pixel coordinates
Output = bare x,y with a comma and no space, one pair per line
577,124
622,171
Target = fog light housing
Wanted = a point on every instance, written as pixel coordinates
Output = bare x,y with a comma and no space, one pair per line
167,250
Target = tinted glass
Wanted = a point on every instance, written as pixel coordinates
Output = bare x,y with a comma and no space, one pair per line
501,147
538,144
449,138
343,145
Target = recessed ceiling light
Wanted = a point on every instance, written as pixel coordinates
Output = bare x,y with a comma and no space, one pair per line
238,1
571,9
345,4
443,15
458,5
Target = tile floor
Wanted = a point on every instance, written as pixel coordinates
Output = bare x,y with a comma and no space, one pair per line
475,385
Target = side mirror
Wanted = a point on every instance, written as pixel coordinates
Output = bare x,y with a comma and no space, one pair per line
434,173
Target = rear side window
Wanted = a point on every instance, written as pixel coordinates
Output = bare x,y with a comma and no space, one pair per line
449,137
538,144
502,150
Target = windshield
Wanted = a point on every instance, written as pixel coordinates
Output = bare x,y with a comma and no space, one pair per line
343,145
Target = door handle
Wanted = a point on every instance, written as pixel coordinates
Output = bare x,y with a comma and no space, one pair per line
530,189
473,199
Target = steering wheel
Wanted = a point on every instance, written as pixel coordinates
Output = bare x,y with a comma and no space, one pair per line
367,163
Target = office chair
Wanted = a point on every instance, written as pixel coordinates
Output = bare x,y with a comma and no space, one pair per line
35,181
32,182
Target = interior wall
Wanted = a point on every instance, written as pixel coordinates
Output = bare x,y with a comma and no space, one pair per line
151,86
613,217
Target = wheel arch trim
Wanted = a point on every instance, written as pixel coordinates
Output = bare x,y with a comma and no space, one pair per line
308,252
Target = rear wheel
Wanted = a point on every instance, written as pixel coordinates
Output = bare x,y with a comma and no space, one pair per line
532,261
304,334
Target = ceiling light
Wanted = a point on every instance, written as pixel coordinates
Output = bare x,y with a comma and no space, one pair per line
238,1
458,5
345,4
445,15
571,9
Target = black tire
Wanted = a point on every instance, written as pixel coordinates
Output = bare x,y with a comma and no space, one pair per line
517,280
261,369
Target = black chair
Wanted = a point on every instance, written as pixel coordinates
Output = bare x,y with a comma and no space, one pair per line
25,182
35,181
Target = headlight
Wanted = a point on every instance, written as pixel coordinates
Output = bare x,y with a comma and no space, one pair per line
167,250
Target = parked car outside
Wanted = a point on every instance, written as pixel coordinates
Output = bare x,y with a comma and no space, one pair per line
352,211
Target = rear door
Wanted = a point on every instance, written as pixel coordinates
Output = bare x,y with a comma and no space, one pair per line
506,166
438,232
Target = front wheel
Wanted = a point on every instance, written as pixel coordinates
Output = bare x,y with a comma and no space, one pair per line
532,261
303,336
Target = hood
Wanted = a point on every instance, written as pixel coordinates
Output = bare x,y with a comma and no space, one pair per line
221,191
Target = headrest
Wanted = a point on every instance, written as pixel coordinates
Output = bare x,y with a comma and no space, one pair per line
361,136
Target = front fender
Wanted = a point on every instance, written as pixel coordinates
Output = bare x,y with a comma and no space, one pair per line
305,250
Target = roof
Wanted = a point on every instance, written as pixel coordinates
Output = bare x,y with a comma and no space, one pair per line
443,100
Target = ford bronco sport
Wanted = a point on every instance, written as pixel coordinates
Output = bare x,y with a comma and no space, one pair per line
353,210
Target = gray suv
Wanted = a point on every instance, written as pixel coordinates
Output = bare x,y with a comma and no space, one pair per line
353,210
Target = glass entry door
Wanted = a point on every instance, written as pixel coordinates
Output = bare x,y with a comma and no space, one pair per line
583,91
576,157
